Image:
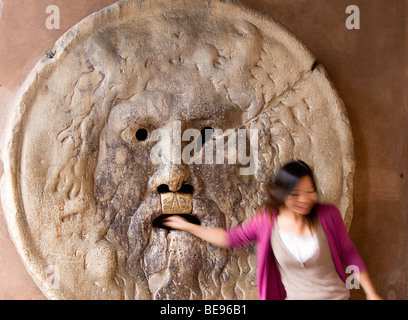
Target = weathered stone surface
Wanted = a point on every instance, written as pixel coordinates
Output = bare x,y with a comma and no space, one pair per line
80,189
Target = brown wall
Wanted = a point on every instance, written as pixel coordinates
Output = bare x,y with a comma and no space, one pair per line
369,69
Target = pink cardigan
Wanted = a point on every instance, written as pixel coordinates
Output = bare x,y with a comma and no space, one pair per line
259,229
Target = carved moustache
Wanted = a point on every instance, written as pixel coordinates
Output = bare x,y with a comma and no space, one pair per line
175,203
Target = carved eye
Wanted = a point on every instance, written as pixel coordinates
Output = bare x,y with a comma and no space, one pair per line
141,134
206,137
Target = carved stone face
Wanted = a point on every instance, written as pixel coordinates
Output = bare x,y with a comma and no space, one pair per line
82,187
132,191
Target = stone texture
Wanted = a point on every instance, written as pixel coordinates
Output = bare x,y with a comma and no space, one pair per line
80,191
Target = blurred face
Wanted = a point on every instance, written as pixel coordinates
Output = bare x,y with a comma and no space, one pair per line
303,197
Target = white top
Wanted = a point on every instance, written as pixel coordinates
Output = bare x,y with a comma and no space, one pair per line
315,278
301,247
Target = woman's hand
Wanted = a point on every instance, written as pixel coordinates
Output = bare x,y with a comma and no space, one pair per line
177,222
368,287
216,236
374,296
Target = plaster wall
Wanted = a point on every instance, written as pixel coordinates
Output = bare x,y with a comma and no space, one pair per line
368,68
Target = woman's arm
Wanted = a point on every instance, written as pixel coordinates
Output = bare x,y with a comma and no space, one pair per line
216,236
368,287
351,256
225,238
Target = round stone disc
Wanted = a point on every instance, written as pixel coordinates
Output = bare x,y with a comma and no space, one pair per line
84,157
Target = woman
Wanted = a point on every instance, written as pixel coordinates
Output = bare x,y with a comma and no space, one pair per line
301,243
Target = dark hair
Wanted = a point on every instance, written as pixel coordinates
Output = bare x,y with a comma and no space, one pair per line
286,180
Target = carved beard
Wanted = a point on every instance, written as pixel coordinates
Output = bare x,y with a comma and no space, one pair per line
171,264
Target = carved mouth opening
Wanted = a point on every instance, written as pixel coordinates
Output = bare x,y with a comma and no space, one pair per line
178,203
158,221
185,188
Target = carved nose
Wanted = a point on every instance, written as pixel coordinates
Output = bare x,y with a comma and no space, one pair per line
172,178
175,194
